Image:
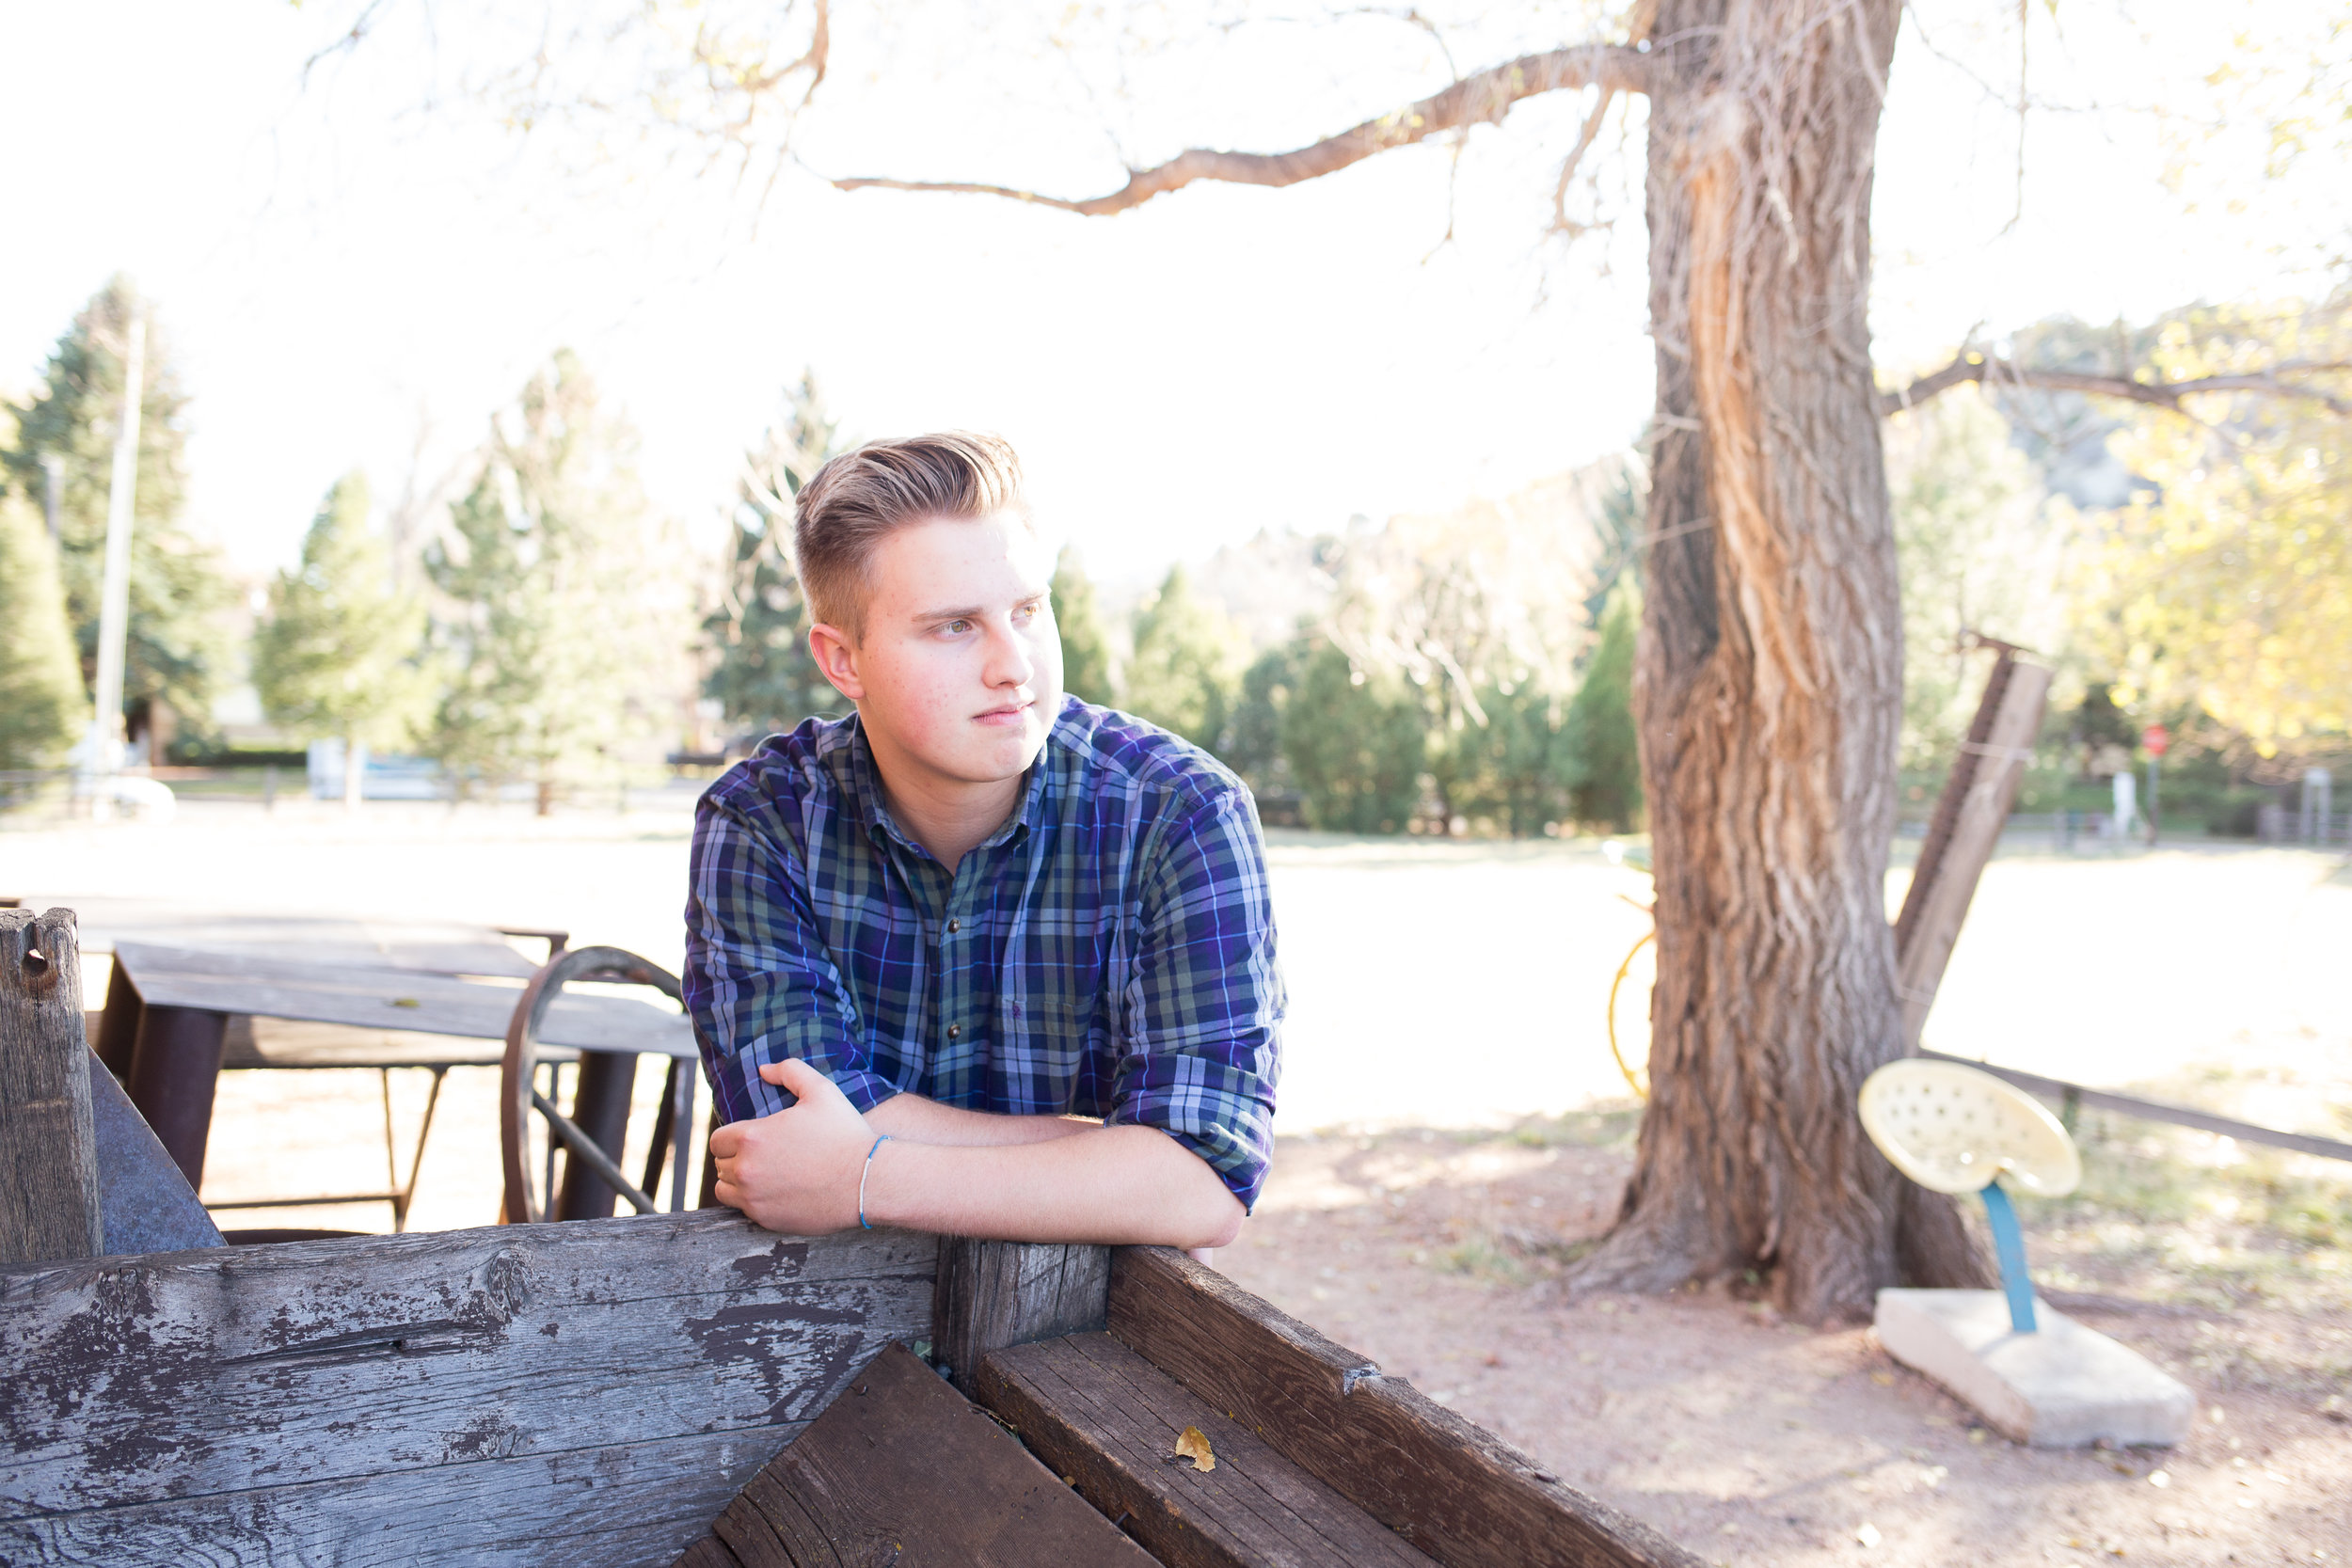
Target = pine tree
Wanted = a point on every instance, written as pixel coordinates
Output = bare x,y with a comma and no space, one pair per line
566,630
1353,739
42,705
763,678
338,656
1085,656
177,644
1599,732
1181,675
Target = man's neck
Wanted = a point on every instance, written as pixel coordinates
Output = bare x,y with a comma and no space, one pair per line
950,817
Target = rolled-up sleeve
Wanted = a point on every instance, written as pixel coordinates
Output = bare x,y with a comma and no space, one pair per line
759,983
1204,1001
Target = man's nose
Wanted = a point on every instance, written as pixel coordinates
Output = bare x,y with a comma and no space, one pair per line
1009,661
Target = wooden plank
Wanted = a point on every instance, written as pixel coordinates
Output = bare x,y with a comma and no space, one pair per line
297,1043
1456,1491
1976,830
708,1552
1095,1411
992,1294
427,946
374,998
184,1374
49,1199
903,1468
621,1506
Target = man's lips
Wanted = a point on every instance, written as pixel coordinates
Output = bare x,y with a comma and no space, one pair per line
1009,713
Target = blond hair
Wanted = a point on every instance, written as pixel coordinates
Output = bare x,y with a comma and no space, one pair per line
856,498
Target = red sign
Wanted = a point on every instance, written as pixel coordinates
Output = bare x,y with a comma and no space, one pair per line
2154,739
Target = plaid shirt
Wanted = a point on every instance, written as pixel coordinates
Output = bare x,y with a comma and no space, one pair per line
1109,951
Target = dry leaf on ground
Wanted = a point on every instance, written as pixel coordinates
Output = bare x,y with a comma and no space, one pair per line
1193,1443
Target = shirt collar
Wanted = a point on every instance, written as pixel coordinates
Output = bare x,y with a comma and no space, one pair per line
866,784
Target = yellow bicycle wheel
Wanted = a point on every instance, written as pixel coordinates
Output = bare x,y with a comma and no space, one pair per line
1628,1012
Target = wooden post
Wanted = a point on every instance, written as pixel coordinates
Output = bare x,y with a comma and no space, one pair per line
991,1295
49,1204
1934,907
175,1071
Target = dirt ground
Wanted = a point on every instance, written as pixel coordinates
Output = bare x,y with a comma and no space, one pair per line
1756,1441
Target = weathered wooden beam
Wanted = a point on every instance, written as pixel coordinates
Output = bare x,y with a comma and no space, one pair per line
902,1468
1100,1414
352,1377
49,1199
1933,911
1456,1491
625,1504
991,1295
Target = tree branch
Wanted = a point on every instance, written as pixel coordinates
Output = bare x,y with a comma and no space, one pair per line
1481,99
2160,394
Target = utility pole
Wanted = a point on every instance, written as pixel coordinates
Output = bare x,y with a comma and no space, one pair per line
104,746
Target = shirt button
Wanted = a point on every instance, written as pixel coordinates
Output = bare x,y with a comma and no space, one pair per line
954,925
955,1031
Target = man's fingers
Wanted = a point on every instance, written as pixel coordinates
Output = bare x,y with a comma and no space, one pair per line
725,1141
798,1077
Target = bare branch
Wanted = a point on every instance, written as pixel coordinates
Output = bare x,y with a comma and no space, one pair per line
1560,221
2159,394
1479,98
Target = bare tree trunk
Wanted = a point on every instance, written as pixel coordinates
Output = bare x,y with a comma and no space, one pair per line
1769,680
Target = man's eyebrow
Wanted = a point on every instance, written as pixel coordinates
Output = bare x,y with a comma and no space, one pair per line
968,611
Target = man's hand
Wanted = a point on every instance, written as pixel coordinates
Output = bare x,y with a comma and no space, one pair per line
796,1171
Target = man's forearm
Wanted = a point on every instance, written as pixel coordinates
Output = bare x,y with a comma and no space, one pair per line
1105,1184
921,1120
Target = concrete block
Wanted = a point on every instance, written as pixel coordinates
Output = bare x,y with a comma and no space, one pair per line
2059,1388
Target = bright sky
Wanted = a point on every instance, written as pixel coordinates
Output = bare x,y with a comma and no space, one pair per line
346,278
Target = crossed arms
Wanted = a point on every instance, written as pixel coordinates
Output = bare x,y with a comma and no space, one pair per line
1032,1178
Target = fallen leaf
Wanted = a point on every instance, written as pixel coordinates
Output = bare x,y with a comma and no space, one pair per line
1866,1537
1193,1445
406,1002
1885,1380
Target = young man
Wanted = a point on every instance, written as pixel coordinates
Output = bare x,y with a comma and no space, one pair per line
929,943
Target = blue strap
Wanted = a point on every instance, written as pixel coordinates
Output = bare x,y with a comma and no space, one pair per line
2009,1243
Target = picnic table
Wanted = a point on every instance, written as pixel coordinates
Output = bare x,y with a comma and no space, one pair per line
273,992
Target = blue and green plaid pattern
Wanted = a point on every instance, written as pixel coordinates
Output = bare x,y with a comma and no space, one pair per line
1108,952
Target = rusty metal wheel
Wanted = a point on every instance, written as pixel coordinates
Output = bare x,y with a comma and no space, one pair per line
593,1175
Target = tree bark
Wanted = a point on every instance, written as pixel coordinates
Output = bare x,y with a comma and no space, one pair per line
1769,679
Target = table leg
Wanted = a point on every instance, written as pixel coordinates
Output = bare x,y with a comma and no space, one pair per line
118,1027
600,1095
174,1070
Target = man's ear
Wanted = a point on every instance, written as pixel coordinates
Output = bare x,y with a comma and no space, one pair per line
837,656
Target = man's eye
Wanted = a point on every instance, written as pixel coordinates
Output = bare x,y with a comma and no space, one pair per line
957,628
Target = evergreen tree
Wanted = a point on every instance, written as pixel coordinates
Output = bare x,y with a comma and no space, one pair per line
765,678
1253,745
1181,675
1086,655
43,708
1600,733
565,634
1519,768
338,656
178,646
1353,740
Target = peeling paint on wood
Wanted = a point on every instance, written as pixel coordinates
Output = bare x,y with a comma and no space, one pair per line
357,1372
